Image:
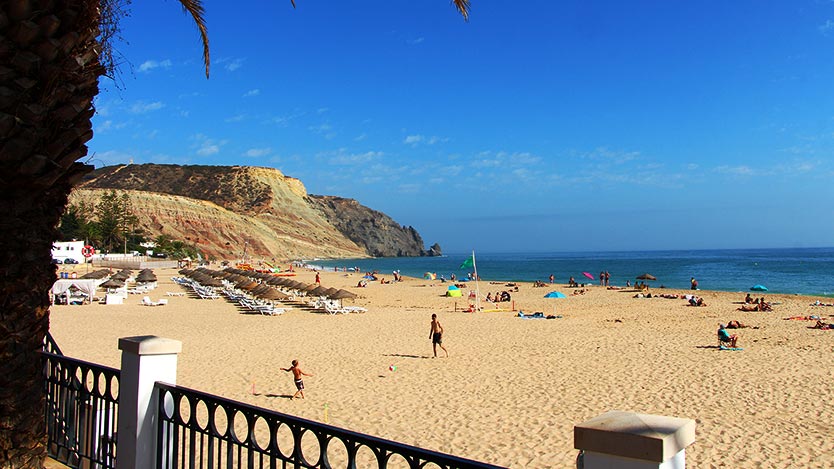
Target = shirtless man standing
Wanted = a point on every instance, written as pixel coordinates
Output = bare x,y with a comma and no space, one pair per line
436,335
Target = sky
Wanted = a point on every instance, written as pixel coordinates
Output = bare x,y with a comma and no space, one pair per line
576,125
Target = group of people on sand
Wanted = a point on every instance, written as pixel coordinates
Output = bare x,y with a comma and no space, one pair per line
757,304
503,296
695,300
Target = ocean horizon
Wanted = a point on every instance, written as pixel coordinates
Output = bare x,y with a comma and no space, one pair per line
802,271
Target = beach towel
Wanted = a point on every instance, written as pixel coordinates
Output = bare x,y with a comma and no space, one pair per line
536,315
724,347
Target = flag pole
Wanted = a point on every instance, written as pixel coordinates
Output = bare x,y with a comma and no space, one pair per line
477,286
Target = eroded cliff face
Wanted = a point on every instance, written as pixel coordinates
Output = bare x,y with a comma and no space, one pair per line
380,235
221,209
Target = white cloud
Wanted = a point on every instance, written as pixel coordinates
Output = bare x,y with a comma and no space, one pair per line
415,41
257,152
235,118
359,138
344,158
104,126
417,139
611,156
826,27
110,157
252,93
208,149
231,64
325,130
410,188
141,107
149,65
284,121
206,146
735,170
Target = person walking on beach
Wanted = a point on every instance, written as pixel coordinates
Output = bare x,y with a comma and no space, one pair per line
297,373
551,278
318,278
436,335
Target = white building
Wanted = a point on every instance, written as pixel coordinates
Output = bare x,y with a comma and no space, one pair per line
62,250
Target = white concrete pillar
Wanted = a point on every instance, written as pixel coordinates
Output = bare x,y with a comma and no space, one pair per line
627,440
145,360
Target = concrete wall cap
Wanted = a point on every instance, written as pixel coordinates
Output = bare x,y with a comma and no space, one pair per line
632,435
150,345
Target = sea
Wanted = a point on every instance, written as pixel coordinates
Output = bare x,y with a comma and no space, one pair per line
801,271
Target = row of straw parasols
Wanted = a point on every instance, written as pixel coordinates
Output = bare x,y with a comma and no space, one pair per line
119,279
261,283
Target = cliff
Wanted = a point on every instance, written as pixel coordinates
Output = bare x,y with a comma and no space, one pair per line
226,209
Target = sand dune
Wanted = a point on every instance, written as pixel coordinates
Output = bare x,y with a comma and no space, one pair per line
512,389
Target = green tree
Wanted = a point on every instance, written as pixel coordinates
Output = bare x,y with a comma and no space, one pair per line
53,54
116,221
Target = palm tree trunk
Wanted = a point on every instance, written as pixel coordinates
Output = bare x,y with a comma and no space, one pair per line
27,229
49,72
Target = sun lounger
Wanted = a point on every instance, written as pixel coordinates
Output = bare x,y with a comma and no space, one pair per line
146,301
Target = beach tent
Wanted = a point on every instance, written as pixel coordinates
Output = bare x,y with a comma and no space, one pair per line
758,288
555,294
453,292
85,286
430,276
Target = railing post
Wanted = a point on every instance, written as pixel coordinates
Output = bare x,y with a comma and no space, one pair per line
145,360
627,440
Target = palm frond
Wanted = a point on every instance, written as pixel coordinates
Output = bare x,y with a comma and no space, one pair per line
196,10
463,8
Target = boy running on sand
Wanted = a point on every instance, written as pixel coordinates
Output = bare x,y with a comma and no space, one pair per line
297,374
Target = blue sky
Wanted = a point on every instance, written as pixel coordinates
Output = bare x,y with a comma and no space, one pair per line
536,126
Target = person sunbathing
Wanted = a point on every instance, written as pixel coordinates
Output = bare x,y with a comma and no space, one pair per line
736,325
748,307
822,325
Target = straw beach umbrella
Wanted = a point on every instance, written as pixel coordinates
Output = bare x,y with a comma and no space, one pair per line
318,291
343,294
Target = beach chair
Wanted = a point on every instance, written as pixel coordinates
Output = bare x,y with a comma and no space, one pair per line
725,339
146,301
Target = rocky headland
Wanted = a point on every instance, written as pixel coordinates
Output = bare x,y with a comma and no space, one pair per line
223,210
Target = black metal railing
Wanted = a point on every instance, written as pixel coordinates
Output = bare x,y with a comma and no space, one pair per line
200,430
81,410
49,345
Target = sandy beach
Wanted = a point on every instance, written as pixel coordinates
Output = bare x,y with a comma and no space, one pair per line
512,389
